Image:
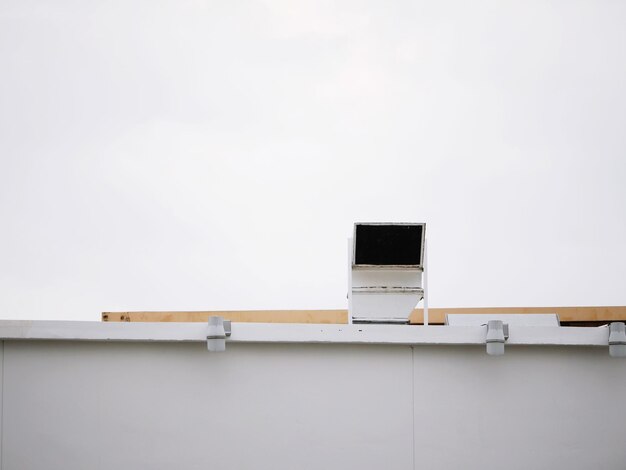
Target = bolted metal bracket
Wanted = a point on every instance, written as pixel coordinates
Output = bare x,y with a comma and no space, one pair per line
617,339
497,334
217,332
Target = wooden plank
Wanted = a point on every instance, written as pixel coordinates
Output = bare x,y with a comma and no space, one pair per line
436,315
254,316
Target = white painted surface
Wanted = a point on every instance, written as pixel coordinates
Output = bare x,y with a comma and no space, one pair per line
368,278
77,406
533,408
1,397
300,333
519,319
385,305
96,405
383,295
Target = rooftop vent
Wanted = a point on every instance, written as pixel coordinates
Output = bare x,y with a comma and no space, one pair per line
386,267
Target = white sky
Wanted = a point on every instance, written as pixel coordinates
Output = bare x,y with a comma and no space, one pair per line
214,155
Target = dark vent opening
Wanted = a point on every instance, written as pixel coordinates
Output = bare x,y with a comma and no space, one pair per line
388,245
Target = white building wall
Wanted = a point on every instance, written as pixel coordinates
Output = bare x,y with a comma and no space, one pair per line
533,408
112,405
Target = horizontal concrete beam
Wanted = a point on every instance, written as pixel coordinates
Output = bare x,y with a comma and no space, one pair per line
298,333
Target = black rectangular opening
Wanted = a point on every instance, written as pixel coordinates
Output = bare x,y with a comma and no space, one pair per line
388,245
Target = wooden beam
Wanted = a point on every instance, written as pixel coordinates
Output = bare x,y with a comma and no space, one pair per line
254,316
436,315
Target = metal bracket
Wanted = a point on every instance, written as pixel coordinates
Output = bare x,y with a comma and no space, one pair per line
217,332
227,330
497,334
617,339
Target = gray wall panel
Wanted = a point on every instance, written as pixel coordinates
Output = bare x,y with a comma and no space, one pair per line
81,405
534,407
1,397
75,405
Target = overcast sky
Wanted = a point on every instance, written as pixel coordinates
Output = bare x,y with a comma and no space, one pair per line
212,155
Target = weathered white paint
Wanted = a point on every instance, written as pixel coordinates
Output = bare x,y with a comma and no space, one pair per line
300,333
519,319
81,405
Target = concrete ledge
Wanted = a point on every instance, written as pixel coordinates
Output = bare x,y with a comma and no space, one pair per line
298,333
